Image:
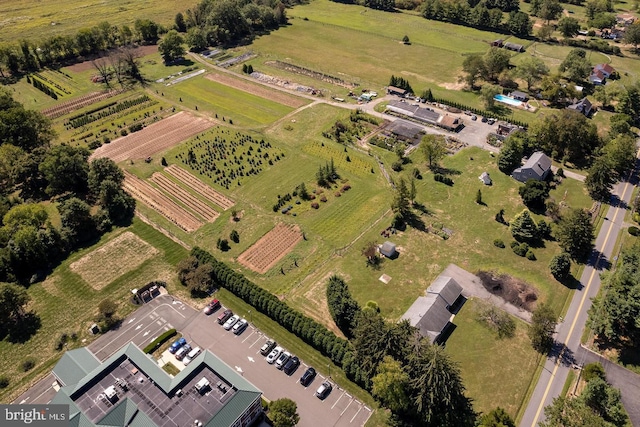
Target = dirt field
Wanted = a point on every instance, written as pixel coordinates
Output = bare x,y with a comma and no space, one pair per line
509,288
87,65
271,248
203,189
154,138
258,90
160,202
119,256
77,103
184,197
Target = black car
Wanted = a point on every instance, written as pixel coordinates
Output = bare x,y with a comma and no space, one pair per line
308,377
291,365
267,347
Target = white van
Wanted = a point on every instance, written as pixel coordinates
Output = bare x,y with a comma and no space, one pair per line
192,355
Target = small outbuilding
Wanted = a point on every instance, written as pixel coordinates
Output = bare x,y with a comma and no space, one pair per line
514,47
392,90
485,178
537,167
388,249
520,96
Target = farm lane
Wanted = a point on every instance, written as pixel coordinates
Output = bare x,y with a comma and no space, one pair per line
568,332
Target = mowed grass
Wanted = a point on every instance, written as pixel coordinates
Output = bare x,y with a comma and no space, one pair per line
66,303
244,109
36,19
492,381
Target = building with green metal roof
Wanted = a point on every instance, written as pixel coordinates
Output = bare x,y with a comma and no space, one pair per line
130,389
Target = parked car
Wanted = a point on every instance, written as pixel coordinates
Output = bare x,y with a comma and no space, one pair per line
232,321
308,376
212,306
240,326
474,117
491,121
323,391
184,350
484,120
267,347
176,345
284,358
275,353
191,355
225,316
291,365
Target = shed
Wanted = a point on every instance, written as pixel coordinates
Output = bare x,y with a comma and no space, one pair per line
485,178
514,46
520,96
537,167
388,249
497,43
392,90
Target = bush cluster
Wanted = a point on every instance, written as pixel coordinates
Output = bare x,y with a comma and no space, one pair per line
520,249
634,231
443,179
155,344
43,87
498,243
104,111
281,202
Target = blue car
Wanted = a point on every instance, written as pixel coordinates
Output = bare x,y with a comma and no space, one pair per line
176,345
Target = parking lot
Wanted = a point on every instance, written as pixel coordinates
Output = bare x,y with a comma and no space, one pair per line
242,352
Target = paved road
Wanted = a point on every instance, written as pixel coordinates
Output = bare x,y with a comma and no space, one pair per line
240,352
569,332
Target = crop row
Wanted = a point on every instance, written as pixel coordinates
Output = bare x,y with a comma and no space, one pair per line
105,111
199,186
184,197
77,103
52,83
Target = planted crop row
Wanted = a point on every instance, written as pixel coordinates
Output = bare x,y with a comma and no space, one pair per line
52,83
42,87
106,111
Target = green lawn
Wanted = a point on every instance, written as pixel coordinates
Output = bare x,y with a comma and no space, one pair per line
496,372
66,303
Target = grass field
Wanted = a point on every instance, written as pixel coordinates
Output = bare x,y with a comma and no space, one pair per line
35,19
491,378
65,302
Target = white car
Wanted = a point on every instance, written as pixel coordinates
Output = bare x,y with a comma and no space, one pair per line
284,358
192,355
232,321
271,358
239,327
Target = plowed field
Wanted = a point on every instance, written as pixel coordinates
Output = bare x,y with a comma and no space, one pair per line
271,248
203,189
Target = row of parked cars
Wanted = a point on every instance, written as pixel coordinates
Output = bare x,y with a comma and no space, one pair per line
182,351
275,355
288,363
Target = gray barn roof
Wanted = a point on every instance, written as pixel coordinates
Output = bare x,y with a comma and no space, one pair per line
74,365
429,314
447,288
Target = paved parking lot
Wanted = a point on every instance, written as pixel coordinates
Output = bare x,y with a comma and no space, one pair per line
241,352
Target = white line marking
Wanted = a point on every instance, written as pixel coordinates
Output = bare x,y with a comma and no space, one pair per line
131,320
138,327
354,417
250,359
345,409
337,401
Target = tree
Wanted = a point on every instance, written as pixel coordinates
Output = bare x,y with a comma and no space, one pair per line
548,10
370,251
496,60
560,266
479,197
534,193
13,302
436,389
101,170
568,412
234,236
412,190
390,385
284,413
180,25
22,128
575,234
523,227
605,401
568,26
65,168
488,93
170,47
118,204
196,39
77,223
576,65
600,179
107,308
593,370
602,21
543,325
400,204
545,32
531,69
147,30
497,418
632,35
519,23
510,156
342,307
474,68
621,153
433,149
405,40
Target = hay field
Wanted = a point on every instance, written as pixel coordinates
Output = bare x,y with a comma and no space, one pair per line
105,264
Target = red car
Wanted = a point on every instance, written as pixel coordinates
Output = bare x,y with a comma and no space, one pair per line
212,306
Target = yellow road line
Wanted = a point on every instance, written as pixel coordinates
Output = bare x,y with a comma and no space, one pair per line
575,319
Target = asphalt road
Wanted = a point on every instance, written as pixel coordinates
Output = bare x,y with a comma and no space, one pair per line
569,332
241,352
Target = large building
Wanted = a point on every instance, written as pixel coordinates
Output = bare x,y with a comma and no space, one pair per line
130,389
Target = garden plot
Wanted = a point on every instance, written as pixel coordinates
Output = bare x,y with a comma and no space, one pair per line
259,90
271,248
160,202
203,189
154,138
77,103
184,197
119,256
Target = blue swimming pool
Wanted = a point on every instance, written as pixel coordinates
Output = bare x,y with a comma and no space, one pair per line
508,100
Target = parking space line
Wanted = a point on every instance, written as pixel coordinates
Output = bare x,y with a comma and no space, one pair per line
247,337
254,343
337,401
345,409
354,417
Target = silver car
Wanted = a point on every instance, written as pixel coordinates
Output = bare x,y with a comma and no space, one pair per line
232,321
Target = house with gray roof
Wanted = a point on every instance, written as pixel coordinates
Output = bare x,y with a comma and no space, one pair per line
433,312
537,167
130,389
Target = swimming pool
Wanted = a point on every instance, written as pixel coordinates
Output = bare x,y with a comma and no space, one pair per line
508,100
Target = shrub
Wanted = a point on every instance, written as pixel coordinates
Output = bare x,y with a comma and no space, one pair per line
155,344
634,231
346,187
498,243
560,266
124,132
28,364
530,255
323,199
593,370
4,381
223,245
62,340
234,236
416,173
560,172
520,249
396,166
443,179
315,205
